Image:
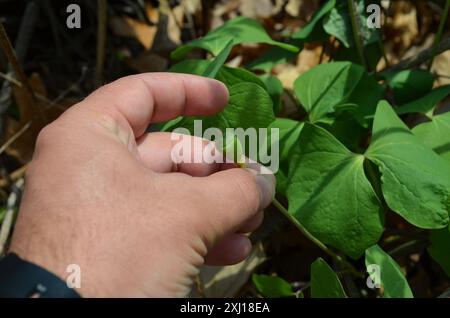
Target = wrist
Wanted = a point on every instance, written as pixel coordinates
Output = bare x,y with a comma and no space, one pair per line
23,279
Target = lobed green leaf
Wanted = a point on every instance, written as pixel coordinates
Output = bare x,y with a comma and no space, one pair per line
330,195
326,86
415,181
239,30
436,134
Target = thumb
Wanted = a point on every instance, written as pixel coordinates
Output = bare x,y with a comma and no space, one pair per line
236,195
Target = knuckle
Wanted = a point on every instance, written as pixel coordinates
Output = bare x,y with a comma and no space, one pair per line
45,136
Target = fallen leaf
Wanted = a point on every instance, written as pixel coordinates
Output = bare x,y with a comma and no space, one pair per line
128,27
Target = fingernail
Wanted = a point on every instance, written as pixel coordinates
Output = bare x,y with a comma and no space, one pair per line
266,186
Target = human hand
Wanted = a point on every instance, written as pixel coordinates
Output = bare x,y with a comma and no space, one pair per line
105,195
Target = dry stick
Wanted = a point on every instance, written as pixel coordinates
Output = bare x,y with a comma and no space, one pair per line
14,137
15,175
27,24
101,41
10,79
383,51
308,235
12,59
439,34
54,102
13,198
422,57
356,34
68,89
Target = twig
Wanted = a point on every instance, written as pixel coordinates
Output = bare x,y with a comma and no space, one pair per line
408,247
55,27
10,79
15,175
443,76
383,52
68,89
318,243
191,24
420,58
356,34
12,59
29,19
54,102
322,53
439,33
205,17
7,223
101,41
14,137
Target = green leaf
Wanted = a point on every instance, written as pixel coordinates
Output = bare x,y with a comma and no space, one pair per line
240,30
426,103
324,281
272,57
249,105
272,286
196,67
227,75
394,283
436,134
232,76
372,53
275,90
409,85
308,32
232,148
330,195
415,180
326,86
215,66
289,133
338,24
347,130
440,248
366,95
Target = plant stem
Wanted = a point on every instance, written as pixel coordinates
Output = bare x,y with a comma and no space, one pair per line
419,58
439,33
318,243
356,36
101,41
383,52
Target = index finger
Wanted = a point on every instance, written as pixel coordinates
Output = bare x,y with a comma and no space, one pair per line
154,97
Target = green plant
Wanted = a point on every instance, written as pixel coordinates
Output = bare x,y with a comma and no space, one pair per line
352,159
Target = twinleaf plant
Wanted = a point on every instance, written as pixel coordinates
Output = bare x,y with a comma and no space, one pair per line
350,157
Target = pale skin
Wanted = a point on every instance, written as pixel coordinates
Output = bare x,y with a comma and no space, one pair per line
102,193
